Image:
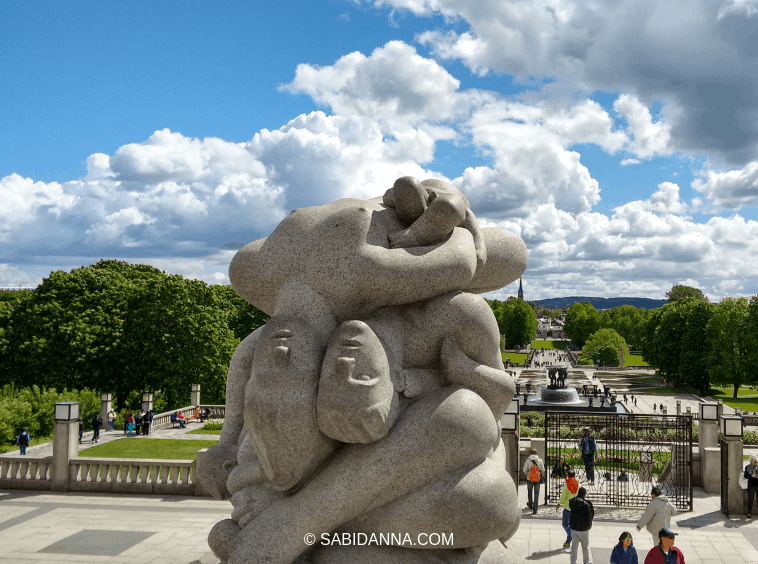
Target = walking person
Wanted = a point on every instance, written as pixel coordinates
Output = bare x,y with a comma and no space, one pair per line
127,415
751,473
657,514
145,423
24,439
97,422
624,552
665,552
81,430
111,419
569,492
588,449
534,468
580,521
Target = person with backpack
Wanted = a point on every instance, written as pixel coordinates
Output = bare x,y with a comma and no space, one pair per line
569,492
22,441
534,468
111,419
580,521
138,421
97,422
588,449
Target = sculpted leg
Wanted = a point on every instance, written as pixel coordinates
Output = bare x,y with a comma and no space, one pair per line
473,506
446,431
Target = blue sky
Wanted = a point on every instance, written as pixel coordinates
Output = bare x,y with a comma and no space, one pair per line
618,139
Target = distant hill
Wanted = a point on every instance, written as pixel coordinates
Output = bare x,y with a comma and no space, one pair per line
601,303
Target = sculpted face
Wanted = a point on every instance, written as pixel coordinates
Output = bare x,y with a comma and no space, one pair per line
280,402
357,402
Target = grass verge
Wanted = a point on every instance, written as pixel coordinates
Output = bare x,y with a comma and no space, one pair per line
204,432
518,358
171,449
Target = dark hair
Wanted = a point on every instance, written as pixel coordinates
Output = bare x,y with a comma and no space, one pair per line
656,491
625,535
571,473
581,493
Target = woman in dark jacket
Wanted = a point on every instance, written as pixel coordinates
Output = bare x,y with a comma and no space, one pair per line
624,552
751,474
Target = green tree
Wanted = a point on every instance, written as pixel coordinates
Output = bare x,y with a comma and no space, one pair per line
693,356
680,292
581,322
516,321
175,334
603,346
732,343
243,318
123,328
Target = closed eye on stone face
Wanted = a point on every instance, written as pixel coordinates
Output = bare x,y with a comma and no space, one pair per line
282,334
351,343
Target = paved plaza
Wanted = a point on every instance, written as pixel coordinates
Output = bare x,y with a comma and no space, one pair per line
44,527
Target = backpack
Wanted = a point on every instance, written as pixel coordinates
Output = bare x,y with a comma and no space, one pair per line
23,439
534,473
96,421
591,444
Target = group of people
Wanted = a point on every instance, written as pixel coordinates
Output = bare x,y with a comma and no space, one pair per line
139,423
578,512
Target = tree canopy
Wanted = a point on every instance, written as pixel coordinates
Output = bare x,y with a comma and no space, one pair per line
516,321
125,329
680,292
604,346
733,343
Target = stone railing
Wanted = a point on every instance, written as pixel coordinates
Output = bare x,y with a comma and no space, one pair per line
24,473
121,475
163,420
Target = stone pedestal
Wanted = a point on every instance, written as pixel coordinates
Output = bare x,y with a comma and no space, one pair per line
195,395
65,447
710,460
708,435
512,459
736,467
105,407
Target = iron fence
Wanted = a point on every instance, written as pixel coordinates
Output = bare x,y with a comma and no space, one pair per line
634,454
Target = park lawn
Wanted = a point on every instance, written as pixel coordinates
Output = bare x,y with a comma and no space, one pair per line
550,345
171,449
517,358
634,360
726,392
204,432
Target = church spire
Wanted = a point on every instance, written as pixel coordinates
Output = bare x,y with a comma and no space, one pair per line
520,291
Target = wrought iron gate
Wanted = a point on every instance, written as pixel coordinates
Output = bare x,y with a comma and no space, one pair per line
634,453
724,477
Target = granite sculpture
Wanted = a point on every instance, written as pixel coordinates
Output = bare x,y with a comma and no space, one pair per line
370,401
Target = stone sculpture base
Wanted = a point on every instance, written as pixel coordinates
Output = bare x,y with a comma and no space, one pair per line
495,553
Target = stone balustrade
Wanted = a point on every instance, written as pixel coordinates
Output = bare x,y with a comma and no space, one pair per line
23,473
121,475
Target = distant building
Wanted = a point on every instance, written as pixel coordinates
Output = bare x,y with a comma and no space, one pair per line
520,291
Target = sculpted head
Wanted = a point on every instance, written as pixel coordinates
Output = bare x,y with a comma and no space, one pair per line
288,353
357,398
